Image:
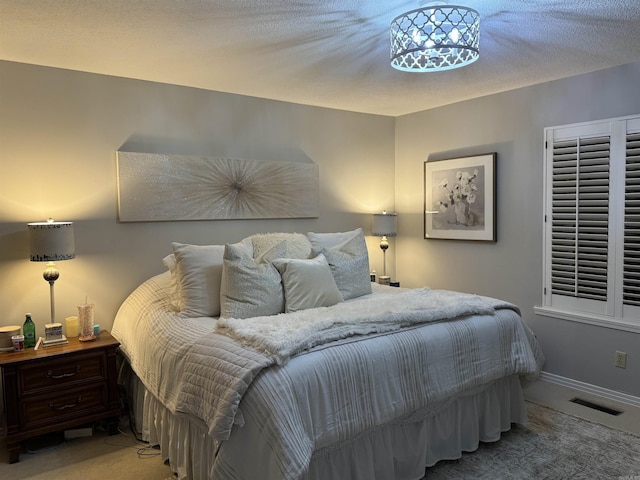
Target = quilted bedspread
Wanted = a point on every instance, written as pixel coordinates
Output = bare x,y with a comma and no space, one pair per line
307,396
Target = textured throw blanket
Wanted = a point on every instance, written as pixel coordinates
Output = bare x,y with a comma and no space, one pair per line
281,336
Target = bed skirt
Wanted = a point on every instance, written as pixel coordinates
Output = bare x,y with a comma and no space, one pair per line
400,450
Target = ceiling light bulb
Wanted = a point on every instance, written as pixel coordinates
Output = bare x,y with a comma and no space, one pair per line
417,38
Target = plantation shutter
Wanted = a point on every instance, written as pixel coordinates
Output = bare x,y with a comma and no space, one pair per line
592,221
631,278
579,217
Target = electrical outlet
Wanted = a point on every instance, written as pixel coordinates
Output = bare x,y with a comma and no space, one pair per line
621,359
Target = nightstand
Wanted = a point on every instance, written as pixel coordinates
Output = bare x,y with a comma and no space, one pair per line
59,387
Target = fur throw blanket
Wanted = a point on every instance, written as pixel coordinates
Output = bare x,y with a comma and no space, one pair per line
286,334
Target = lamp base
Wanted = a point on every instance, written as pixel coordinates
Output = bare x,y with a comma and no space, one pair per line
384,279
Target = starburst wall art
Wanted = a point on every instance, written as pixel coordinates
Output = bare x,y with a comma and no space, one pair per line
156,187
459,198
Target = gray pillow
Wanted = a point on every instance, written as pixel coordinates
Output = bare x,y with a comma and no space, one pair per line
334,240
196,276
348,258
307,283
251,287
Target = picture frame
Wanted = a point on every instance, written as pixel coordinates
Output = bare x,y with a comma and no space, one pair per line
460,198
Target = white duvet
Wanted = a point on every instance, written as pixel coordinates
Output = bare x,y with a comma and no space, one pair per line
324,397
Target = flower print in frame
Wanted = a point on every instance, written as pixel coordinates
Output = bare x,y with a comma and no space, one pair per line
459,198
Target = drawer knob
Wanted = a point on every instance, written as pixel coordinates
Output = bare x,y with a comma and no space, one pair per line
52,374
66,405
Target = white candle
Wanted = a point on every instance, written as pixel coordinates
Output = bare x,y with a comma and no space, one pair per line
71,324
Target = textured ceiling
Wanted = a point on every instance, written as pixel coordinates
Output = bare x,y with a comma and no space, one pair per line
332,53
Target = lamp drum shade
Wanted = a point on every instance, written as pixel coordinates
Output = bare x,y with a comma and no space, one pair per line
384,224
51,241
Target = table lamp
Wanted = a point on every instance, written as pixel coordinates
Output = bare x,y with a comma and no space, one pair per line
384,225
51,242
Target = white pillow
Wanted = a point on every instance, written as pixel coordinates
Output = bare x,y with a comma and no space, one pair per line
170,262
307,283
348,258
298,245
251,287
198,271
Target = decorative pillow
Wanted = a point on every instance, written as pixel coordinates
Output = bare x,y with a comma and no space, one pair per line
198,272
298,245
334,240
348,258
251,287
307,283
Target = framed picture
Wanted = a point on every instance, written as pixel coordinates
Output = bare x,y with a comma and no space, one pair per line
460,198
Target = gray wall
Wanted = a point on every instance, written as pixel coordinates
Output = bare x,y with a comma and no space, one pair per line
59,131
512,124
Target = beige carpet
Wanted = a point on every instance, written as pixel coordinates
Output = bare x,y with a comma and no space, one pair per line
97,457
553,446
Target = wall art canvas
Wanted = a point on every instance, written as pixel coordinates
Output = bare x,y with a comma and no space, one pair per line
156,187
459,198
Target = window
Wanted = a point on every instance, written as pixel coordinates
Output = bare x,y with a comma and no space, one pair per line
592,222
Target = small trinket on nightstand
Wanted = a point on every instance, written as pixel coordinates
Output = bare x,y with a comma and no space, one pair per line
53,331
18,343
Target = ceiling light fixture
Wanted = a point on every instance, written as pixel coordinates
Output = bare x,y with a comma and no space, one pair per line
435,38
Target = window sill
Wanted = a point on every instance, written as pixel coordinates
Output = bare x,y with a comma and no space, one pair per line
590,319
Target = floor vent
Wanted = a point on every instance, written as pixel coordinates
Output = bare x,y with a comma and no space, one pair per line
595,406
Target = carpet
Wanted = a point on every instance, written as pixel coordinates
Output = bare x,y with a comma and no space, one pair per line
553,446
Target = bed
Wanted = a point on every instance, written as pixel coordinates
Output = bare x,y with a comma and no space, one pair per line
277,358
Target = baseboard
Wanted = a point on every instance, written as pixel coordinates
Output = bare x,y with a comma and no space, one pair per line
591,389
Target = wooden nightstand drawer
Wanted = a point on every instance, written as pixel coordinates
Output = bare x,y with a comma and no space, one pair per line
55,373
74,402
59,387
